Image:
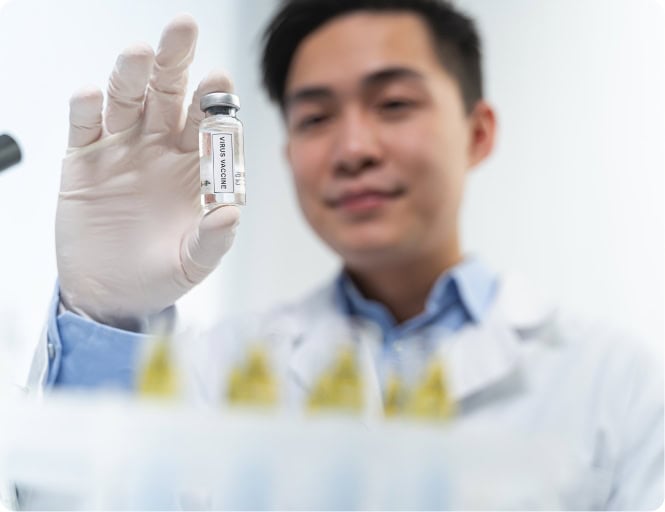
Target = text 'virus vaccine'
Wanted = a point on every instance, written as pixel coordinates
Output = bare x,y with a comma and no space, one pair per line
221,151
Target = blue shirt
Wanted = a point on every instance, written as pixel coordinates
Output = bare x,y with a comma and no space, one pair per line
86,354
461,295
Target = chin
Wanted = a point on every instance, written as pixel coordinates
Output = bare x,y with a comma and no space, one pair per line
369,252
370,242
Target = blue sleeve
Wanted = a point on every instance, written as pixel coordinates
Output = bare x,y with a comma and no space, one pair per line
85,354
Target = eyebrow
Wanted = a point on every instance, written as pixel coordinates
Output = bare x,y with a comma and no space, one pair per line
391,74
377,78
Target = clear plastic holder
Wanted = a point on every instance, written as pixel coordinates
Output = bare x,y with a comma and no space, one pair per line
139,455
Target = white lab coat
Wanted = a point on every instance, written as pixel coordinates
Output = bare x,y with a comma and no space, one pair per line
528,368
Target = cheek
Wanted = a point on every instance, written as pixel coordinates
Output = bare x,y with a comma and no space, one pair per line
433,161
307,168
301,160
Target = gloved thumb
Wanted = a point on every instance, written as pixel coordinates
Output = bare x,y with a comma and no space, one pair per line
205,245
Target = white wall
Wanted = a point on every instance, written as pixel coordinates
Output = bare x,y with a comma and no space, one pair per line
573,195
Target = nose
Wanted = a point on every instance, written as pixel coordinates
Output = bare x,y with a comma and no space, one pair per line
357,146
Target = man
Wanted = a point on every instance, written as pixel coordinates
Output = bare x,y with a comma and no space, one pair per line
383,107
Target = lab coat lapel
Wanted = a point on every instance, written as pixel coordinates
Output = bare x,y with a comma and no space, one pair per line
486,353
479,356
311,353
308,351
475,358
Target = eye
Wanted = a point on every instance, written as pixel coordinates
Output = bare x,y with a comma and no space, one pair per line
396,106
311,121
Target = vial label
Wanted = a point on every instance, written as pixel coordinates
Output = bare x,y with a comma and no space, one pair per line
222,162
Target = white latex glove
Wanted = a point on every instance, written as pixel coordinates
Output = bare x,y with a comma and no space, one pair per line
131,237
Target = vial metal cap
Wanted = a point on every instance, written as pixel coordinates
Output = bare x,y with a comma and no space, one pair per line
220,99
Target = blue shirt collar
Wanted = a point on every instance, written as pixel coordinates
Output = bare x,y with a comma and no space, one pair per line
466,290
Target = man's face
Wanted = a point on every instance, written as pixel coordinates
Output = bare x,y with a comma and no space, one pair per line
378,139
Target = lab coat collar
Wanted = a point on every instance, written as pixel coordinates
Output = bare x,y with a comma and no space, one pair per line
476,357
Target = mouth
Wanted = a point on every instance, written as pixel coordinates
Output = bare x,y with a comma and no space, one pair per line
365,201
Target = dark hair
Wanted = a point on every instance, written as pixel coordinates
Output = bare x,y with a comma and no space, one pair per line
455,37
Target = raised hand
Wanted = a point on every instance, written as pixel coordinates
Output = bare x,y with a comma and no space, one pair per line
131,236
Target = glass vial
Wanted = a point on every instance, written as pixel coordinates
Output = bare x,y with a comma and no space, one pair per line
221,151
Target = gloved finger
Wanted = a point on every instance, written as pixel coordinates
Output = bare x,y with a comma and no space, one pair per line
85,116
126,89
204,247
216,81
168,82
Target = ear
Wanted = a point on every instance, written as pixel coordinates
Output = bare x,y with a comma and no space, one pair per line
482,124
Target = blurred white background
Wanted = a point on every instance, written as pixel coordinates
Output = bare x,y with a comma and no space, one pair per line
573,196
